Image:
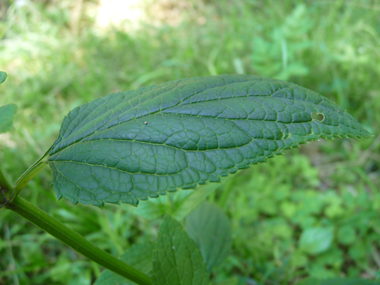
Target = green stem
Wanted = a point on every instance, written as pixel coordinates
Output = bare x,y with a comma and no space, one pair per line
30,173
75,240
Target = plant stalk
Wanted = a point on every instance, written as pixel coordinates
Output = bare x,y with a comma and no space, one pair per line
30,173
71,238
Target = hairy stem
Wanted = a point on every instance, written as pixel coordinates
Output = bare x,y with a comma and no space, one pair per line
75,240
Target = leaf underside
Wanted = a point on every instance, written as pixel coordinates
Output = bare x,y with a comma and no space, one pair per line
129,146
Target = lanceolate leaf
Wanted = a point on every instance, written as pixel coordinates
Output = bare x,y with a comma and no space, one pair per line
130,146
7,114
176,258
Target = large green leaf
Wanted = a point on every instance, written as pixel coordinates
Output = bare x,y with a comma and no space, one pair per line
209,227
176,258
139,256
3,77
130,146
7,114
337,281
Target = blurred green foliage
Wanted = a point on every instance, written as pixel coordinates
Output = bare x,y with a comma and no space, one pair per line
287,225
57,60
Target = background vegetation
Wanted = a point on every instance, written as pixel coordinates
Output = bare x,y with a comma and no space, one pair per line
313,212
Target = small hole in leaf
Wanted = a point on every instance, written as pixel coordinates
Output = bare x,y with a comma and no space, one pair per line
318,117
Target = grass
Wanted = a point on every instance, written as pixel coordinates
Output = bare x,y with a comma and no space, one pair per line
56,62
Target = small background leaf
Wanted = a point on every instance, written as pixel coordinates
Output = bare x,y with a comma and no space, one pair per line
3,77
139,256
7,114
209,227
176,258
316,240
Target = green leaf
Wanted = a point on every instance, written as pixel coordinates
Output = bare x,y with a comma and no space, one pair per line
176,258
130,146
7,114
209,227
316,240
3,77
337,281
139,256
